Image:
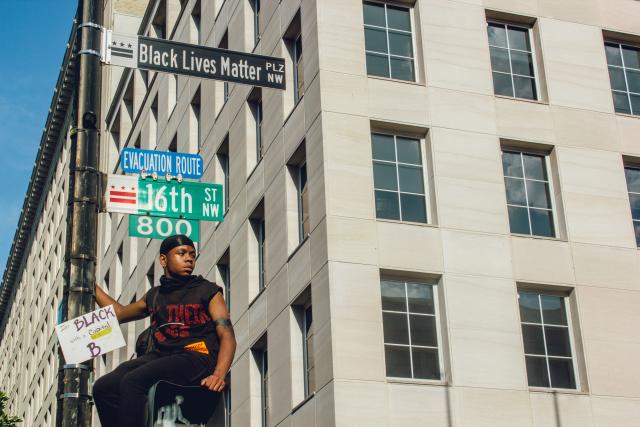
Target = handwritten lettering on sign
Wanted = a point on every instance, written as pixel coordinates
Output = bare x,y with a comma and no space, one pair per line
90,335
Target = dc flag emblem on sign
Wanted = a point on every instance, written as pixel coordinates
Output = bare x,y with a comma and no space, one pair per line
122,194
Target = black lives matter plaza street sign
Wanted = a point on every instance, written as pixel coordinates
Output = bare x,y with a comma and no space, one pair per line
193,60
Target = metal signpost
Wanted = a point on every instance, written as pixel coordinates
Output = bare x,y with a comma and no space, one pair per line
193,60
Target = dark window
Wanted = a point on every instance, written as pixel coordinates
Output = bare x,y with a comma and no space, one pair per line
547,340
528,193
389,41
410,330
624,74
512,60
632,174
398,178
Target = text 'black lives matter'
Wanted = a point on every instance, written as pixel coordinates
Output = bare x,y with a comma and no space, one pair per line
211,63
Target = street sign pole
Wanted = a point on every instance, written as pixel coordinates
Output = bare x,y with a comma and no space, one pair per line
74,395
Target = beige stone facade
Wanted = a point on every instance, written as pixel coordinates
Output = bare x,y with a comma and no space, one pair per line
465,251
465,248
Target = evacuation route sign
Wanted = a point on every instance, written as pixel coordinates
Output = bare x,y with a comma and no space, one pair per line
90,335
188,200
194,60
135,160
154,227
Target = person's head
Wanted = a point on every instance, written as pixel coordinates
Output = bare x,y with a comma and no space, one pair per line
177,256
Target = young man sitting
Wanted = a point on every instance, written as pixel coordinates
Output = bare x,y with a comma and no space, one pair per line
193,338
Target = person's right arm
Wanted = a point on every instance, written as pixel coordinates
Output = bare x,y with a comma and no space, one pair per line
125,313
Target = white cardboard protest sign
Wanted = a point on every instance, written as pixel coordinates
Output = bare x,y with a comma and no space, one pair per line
90,335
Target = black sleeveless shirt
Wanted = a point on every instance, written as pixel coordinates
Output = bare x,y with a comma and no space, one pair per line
179,310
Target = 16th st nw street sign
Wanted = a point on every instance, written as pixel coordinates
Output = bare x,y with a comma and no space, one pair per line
194,60
134,160
189,200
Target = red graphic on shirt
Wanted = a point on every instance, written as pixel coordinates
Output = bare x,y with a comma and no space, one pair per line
180,319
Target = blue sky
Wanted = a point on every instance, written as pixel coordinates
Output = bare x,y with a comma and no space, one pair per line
33,37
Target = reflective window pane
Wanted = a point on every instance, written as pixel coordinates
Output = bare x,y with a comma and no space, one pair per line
425,364
562,375
522,63
529,307
395,328
398,361
635,104
402,69
409,150
385,176
500,59
519,38
502,84
614,56
538,194
393,296
542,222
387,205
497,35
398,18
634,201
633,79
537,373
636,228
377,65
383,147
423,330
534,167
519,220
525,87
621,103
374,14
557,339
411,179
400,44
420,298
515,191
532,337
616,77
413,208
511,164
375,39
553,311
631,57
633,179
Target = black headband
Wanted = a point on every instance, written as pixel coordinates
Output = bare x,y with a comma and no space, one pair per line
173,241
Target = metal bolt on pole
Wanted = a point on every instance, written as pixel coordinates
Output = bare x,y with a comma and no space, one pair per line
74,394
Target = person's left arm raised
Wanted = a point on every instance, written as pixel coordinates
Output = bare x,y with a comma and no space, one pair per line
220,316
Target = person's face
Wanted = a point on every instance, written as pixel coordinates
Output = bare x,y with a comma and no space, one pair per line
180,261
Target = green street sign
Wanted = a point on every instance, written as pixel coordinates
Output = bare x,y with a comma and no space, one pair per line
161,228
189,200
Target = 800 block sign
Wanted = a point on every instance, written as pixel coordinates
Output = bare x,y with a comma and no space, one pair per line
161,228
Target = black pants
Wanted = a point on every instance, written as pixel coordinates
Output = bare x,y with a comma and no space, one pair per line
121,395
